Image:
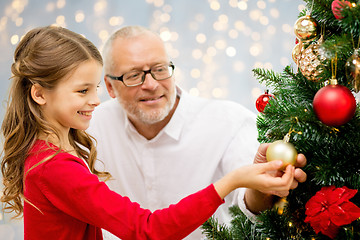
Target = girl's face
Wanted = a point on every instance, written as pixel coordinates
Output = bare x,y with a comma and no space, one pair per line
71,103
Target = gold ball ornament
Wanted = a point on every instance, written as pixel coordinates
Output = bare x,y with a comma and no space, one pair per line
282,150
352,70
306,29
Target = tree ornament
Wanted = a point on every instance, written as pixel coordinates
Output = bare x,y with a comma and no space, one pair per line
282,150
306,29
263,100
334,104
310,60
330,208
337,7
352,69
296,52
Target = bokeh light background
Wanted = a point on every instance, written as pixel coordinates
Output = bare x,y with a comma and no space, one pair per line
213,43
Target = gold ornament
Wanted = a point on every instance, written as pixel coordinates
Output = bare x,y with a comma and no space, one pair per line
296,52
280,205
282,150
352,69
310,60
306,29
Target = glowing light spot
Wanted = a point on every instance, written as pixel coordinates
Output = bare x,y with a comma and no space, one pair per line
158,3
201,38
271,29
79,16
240,25
264,20
242,5
211,51
195,73
255,15
217,92
60,4
286,28
255,36
233,34
238,66
165,17
220,44
255,49
215,5
165,35
194,92
196,53
230,51
60,20
14,39
19,21
261,4
274,12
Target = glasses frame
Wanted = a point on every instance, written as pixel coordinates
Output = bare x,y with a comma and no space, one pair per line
120,78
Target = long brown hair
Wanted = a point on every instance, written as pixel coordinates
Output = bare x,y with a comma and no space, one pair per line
44,56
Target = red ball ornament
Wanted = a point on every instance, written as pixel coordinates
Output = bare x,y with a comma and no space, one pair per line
334,105
337,7
263,100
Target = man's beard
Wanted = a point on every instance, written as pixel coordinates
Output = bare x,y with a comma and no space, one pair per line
151,116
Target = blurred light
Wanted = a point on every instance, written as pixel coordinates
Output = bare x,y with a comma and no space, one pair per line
167,8
242,5
301,7
230,51
200,38
268,65
195,73
264,20
194,92
256,92
103,35
165,35
79,16
60,20
274,12
211,51
100,6
220,44
286,28
233,3
174,36
50,7
14,39
218,93
165,17
215,5
238,66
223,18
196,53
271,29
60,3
158,3
116,21
255,14
233,33
258,65
19,21
255,49
261,4
239,25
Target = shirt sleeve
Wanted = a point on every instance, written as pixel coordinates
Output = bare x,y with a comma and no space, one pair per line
70,187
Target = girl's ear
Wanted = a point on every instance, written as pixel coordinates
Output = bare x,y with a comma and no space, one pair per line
37,94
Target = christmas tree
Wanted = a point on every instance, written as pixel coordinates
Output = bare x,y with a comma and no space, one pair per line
312,105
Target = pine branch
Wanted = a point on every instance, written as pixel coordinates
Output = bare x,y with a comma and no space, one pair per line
215,231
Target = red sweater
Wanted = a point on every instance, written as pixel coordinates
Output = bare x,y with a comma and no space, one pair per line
69,202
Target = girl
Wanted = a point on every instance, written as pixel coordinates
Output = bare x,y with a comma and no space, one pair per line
48,163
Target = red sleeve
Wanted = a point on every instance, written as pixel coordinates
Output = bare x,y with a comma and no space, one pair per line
70,186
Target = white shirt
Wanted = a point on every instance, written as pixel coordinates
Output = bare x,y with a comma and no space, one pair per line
204,140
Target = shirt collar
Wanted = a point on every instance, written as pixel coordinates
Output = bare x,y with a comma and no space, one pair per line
174,127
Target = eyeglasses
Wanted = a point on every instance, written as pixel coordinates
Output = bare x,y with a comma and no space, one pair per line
137,77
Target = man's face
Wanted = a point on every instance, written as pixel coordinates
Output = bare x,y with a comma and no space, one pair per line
152,101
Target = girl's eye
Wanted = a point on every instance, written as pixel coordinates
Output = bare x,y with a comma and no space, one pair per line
83,91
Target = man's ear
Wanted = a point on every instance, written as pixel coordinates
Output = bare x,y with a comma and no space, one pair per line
37,94
109,87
